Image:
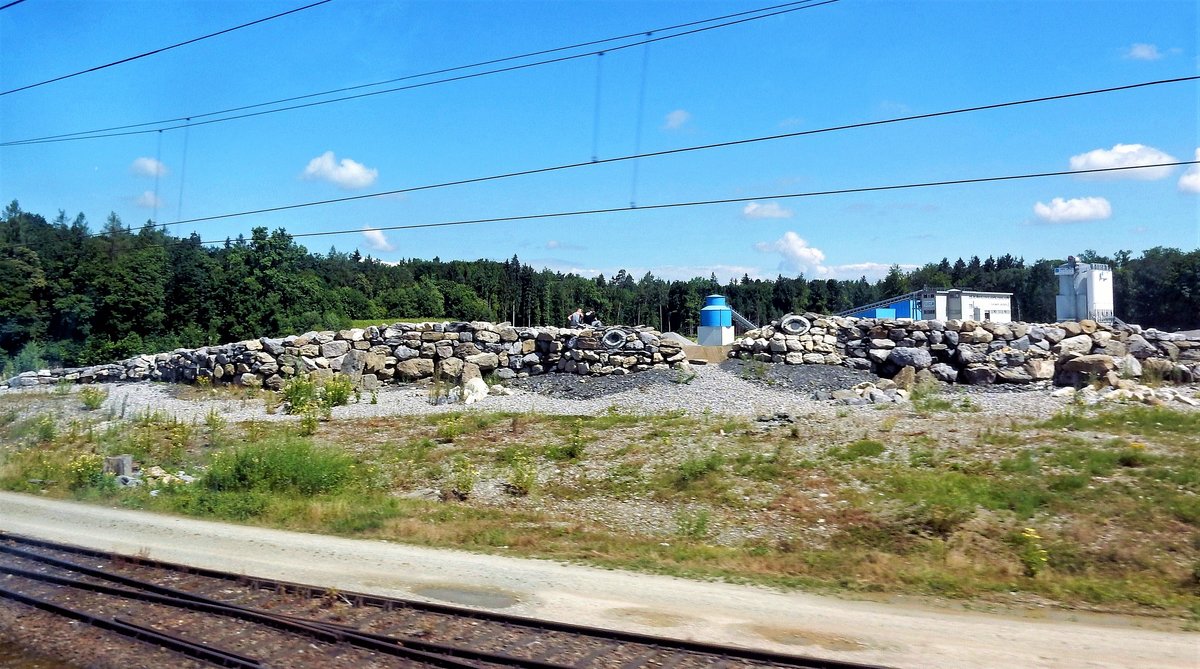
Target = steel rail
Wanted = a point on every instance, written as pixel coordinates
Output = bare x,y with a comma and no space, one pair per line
445,655
208,654
390,603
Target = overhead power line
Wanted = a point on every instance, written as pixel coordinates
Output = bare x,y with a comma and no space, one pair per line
125,130
736,200
731,200
10,4
159,50
667,152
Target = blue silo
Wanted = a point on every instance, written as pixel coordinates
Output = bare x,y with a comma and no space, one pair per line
716,322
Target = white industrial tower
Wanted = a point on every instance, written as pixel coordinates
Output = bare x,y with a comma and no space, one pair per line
1085,290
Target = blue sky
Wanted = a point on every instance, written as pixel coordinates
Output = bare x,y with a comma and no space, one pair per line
847,62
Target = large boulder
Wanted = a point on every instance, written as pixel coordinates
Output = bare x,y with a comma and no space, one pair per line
414,368
1096,365
979,375
943,372
1077,344
905,356
335,349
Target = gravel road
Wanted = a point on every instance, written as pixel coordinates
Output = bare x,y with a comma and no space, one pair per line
889,634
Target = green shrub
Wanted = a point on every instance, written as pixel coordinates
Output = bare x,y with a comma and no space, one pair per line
86,470
299,393
863,448
692,523
695,468
282,465
337,391
92,397
573,448
522,472
462,477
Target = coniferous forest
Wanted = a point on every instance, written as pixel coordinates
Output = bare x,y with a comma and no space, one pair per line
71,295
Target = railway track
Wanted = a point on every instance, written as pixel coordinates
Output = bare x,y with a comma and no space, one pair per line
230,620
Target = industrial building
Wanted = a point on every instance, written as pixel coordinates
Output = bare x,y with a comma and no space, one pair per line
1085,290
942,304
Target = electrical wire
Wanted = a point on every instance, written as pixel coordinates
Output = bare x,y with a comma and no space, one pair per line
687,149
101,133
10,4
162,49
705,203
735,200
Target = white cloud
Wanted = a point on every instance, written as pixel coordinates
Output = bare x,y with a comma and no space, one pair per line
1190,181
148,200
1141,51
345,173
1124,155
755,210
147,167
377,240
676,119
556,244
797,255
1075,210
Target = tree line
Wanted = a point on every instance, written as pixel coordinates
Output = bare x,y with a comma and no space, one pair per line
71,297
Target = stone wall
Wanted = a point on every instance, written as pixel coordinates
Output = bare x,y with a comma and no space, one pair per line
980,353
398,353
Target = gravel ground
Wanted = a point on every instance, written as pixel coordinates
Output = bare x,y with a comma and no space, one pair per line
727,389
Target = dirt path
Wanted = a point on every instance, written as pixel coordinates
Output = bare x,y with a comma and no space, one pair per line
894,635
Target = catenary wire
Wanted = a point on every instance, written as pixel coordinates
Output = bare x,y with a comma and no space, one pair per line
702,147
165,48
426,74
97,134
735,200
706,203
10,4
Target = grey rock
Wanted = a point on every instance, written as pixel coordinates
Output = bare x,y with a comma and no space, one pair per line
904,356
334,349
944,372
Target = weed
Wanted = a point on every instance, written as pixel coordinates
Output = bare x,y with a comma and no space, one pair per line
299,393
450,426
697,468
86,470
754,370
692,523
863,448
63,387
462,477
374,396
282,465
522,473
684,377
92,397
45,428
216,426
309,421
573,448
336,391
1030,551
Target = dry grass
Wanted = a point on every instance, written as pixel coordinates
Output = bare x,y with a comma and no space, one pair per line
931,504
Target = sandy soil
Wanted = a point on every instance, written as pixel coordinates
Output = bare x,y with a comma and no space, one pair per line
887,634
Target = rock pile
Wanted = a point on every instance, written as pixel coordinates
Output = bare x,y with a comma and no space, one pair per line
457,351
972,352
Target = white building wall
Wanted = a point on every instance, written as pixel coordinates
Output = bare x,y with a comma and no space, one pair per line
994,308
